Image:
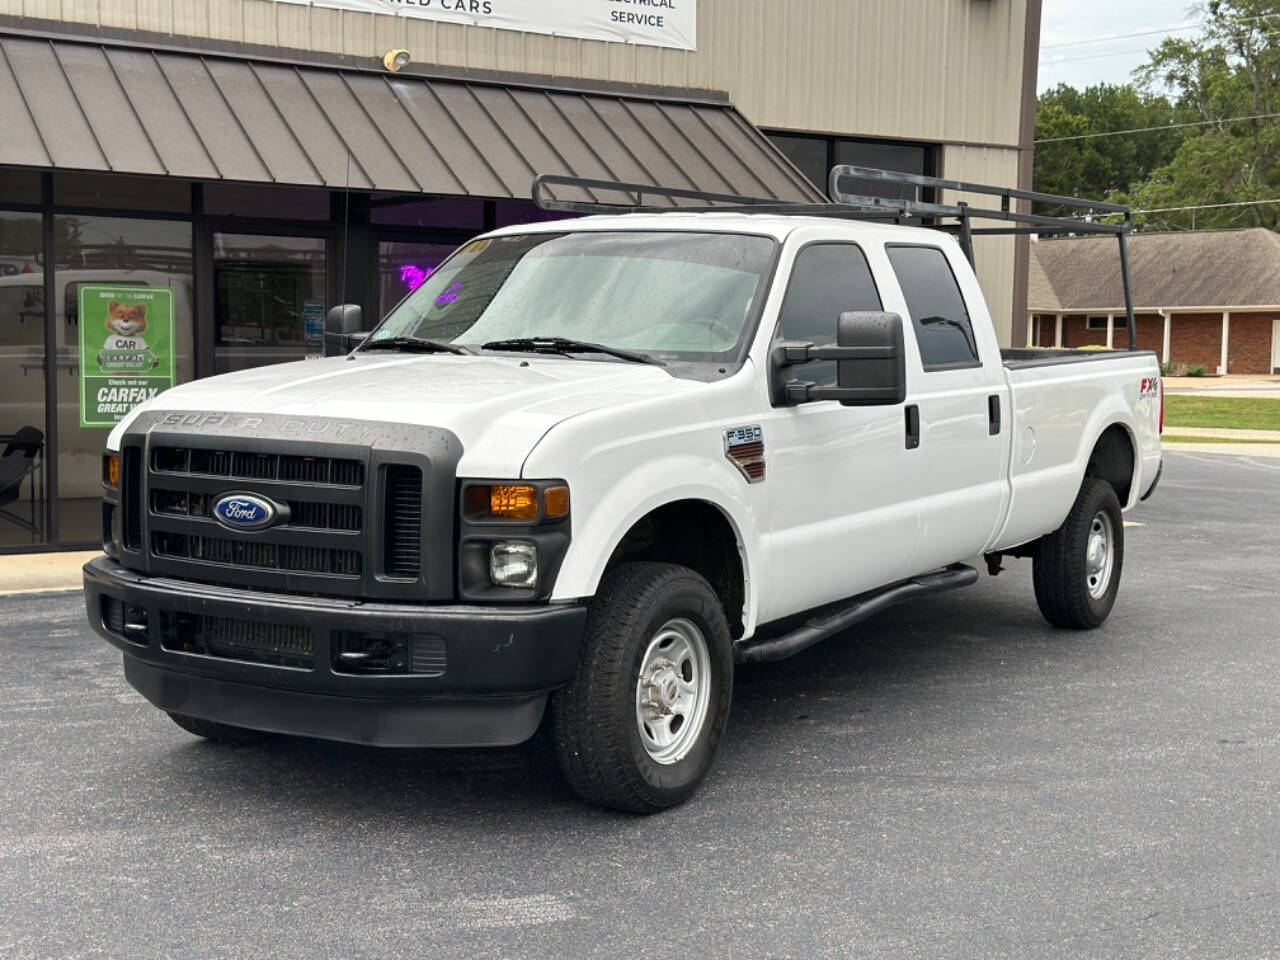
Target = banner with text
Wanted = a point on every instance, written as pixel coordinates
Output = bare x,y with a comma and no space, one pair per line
657,23
126,350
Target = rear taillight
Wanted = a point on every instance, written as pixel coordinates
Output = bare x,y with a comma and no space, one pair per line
1160,387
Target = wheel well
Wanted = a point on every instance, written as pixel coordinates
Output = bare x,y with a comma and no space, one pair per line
1112,460
694,534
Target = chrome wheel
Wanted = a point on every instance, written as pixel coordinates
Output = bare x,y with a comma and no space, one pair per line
673,691
1100,555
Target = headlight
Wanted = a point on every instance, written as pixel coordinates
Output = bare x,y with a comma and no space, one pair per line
513,563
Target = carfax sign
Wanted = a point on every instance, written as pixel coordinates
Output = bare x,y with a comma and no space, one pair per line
126,350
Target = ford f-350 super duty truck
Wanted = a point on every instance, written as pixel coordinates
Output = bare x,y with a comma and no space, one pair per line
588,465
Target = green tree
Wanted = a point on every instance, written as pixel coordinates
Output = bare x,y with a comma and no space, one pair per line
1071,161
1231,70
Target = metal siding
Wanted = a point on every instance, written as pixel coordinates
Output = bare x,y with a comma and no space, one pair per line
449,138
160,113
64,132
359,135
308,122
22,143
264,125
217,127
414,148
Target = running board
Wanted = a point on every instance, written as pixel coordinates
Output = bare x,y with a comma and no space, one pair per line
818,628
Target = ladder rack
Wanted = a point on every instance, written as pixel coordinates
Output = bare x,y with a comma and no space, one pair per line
956,218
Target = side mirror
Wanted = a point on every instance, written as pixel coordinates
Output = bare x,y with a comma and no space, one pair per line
871,363
342,330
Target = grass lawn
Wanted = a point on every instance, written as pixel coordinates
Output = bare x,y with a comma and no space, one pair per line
1239,413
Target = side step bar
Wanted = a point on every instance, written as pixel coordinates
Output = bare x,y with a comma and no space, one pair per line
762,650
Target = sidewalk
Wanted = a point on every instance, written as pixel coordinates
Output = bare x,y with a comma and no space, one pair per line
40,572
1233,386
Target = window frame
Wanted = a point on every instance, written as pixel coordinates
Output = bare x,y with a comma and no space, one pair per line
791,276
968,316
1089,325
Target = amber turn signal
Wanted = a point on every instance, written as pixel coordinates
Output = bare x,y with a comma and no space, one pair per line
555,502
111,469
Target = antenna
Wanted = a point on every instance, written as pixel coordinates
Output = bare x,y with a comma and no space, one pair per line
346,219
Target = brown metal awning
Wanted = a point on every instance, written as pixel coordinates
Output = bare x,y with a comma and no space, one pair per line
89,105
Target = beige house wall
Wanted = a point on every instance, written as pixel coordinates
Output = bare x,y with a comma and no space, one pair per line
941,71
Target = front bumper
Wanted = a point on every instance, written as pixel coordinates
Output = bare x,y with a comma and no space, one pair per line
491,667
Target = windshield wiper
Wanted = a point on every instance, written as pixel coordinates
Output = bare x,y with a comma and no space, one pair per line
416,345
567,347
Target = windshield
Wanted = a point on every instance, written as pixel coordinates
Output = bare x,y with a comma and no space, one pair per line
678,296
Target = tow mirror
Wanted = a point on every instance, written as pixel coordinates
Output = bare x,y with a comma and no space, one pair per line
343,330
871,366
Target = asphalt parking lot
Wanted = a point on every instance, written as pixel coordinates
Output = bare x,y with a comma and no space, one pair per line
955,779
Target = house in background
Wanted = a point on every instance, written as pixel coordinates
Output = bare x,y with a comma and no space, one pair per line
1208,298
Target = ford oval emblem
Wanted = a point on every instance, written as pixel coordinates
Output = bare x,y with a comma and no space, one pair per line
244,511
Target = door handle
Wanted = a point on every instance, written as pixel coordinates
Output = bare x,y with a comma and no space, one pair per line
993,414
913,427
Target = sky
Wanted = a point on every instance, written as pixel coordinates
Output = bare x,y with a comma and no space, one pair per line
1082,64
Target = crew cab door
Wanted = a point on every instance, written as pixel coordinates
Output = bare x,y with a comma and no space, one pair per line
842,487
960,394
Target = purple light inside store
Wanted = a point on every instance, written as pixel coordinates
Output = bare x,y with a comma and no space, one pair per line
412,275
450,295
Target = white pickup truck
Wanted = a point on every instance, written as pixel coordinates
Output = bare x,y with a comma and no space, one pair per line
586,467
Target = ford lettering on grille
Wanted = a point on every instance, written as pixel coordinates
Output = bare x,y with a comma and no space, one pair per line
243,511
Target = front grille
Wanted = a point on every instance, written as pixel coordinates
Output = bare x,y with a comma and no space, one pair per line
247,465
252,553
302,513
131,501
403,533
282,644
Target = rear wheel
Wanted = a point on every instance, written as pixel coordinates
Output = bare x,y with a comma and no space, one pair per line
222,733
1076,569
639,726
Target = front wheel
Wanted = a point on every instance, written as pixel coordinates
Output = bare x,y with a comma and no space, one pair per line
639,726
1076,569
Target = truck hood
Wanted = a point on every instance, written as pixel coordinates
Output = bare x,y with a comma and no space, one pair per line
498,407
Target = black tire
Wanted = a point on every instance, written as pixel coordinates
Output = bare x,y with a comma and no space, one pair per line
594,719
1061,569
222,733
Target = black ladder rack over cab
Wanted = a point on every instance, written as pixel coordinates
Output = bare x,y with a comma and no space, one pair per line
957,218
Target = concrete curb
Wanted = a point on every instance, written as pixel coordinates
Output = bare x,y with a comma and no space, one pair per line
43,572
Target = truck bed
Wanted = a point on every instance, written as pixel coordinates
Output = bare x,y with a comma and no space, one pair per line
1022,358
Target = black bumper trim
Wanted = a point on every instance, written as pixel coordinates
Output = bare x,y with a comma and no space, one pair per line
502,662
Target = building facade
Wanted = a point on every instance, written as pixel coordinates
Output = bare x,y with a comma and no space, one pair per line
1205,299
260,161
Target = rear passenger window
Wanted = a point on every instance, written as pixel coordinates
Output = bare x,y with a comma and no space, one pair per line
937,309
828,279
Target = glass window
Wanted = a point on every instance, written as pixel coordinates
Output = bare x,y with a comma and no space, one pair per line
937,308
509,212
269,299
22,414
828,279
808,154
126,253
117,192
402,268
1095,323
452,213
679,296
883,155
19,186
259,200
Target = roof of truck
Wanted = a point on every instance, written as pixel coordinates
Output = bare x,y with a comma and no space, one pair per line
770,224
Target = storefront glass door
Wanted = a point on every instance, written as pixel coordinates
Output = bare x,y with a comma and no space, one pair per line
131,280
269,299
23,471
